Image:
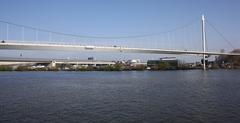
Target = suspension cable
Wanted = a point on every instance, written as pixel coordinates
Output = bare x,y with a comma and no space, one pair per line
224,38
102,37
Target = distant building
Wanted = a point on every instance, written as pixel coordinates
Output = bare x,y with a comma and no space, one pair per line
163,63
134,62
168,58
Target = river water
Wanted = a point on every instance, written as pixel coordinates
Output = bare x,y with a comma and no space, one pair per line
120,97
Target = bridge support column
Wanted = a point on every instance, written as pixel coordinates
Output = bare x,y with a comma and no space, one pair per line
52,64
204,41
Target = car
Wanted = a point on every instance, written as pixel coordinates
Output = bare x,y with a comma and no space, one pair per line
3,41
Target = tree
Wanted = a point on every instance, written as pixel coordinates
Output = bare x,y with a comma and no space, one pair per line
234,60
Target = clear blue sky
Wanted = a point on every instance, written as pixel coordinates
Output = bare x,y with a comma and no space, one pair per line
122,17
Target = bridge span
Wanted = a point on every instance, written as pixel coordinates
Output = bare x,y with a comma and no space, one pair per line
69,47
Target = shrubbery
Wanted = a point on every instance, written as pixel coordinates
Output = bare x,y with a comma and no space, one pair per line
5,68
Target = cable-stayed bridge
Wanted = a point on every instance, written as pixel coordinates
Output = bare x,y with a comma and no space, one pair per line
188,39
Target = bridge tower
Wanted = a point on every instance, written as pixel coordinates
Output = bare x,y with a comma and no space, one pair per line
204,41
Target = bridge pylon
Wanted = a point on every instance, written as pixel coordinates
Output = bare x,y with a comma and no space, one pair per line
204,41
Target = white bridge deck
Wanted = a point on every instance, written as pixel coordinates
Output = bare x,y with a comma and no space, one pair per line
68,47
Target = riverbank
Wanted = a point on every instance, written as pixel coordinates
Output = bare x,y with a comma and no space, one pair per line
92,68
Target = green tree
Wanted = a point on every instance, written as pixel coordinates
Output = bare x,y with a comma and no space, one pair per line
163,66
